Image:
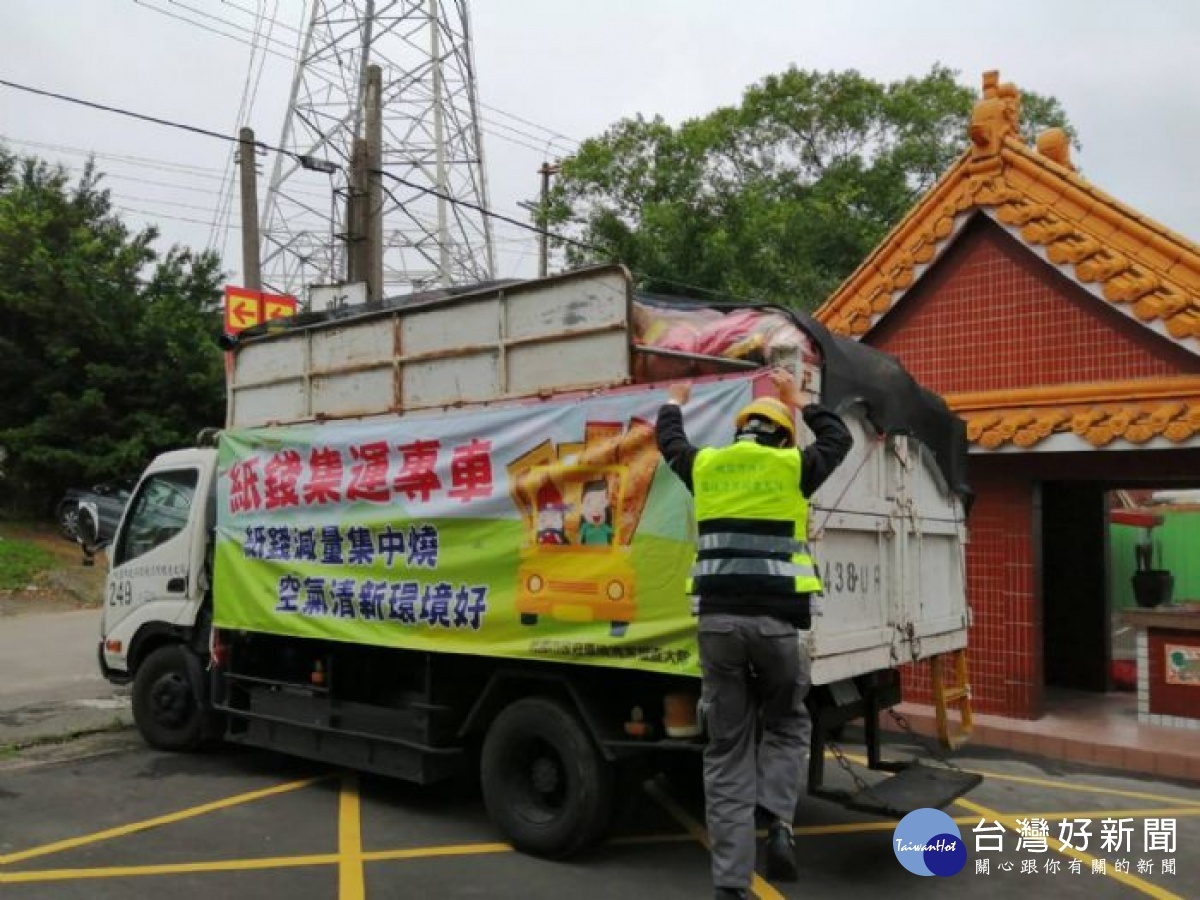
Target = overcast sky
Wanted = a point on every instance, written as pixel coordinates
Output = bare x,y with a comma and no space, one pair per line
553,72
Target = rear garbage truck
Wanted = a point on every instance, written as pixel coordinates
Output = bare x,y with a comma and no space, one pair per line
435,537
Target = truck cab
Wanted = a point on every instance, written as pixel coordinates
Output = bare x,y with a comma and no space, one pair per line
157,595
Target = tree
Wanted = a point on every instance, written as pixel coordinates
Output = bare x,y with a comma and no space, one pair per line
777,199
107,351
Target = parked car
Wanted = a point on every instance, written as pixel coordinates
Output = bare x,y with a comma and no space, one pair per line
93,514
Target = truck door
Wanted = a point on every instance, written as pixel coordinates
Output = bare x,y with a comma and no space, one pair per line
153,561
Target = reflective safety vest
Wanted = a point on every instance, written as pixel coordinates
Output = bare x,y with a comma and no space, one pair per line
753,522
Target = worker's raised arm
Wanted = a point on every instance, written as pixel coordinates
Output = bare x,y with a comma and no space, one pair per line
833,439
672,439
822,456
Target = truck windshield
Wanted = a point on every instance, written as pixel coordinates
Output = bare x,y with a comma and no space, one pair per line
158,513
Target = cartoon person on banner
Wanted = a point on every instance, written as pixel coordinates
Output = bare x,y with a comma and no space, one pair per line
550,515
595,526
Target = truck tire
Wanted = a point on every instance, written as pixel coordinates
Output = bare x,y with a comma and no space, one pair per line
545,784
168,705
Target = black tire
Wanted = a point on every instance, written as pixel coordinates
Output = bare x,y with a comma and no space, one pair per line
68,521
545,784
529,618
168,699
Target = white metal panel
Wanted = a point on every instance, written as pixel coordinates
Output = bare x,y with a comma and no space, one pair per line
939,588
597,359
455,327
560,306
346,394
283,402
267,361
440,382
562,333
886,510
356,344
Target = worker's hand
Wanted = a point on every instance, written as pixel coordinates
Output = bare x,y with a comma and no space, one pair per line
680,392
785,383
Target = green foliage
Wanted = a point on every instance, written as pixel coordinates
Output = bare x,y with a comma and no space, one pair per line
777,199
20,561
107,349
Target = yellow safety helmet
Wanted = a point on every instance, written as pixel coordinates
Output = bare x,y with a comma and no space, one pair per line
770,409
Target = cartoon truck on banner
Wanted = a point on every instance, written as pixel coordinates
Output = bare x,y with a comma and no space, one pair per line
582,513
542,633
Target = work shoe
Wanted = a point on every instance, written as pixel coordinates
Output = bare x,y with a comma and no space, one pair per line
781,852
730,894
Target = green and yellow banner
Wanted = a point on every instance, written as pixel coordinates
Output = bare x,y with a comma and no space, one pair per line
547,530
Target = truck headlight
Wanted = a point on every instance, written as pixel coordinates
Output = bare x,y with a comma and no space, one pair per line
534,583
616,590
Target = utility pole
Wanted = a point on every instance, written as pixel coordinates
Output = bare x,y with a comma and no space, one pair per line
373,202
356,214
544,252
251,268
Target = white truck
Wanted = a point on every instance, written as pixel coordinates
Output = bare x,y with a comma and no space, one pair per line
435,534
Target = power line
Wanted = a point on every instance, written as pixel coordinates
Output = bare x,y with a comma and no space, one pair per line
156,215
560,143
165,165
500,217
155,120
229,139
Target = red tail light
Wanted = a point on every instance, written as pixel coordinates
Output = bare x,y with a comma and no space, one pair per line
218,649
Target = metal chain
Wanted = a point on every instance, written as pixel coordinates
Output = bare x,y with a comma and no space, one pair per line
858,780
932,748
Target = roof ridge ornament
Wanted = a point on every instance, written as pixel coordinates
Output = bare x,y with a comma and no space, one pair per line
1054,144
995,117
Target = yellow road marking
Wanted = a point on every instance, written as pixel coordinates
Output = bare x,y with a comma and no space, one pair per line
759,887
351,885
1138,884
248,865
225,865
143,825
1059,785
431,852
351,856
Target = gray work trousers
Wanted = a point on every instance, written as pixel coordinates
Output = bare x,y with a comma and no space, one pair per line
751,665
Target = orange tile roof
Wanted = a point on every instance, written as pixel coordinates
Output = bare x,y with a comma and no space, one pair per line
1098,412
1134,262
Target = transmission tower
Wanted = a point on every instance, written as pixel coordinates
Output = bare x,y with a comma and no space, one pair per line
432,152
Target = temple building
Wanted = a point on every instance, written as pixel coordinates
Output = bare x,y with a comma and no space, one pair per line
1064,328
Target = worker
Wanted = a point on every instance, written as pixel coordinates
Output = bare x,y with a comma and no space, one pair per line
753,579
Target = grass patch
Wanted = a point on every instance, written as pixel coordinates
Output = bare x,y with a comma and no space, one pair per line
20,561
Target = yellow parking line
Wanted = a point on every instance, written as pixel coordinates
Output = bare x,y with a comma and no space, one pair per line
351,885
759,887
143,825
249,865
1060,785
225,865
1138,884
431,852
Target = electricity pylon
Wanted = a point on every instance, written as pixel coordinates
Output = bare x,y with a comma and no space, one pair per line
431,155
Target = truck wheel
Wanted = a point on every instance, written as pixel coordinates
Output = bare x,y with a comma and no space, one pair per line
545,784
166,700
529,618
618,629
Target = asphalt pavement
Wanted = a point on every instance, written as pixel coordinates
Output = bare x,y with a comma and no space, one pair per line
50,681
